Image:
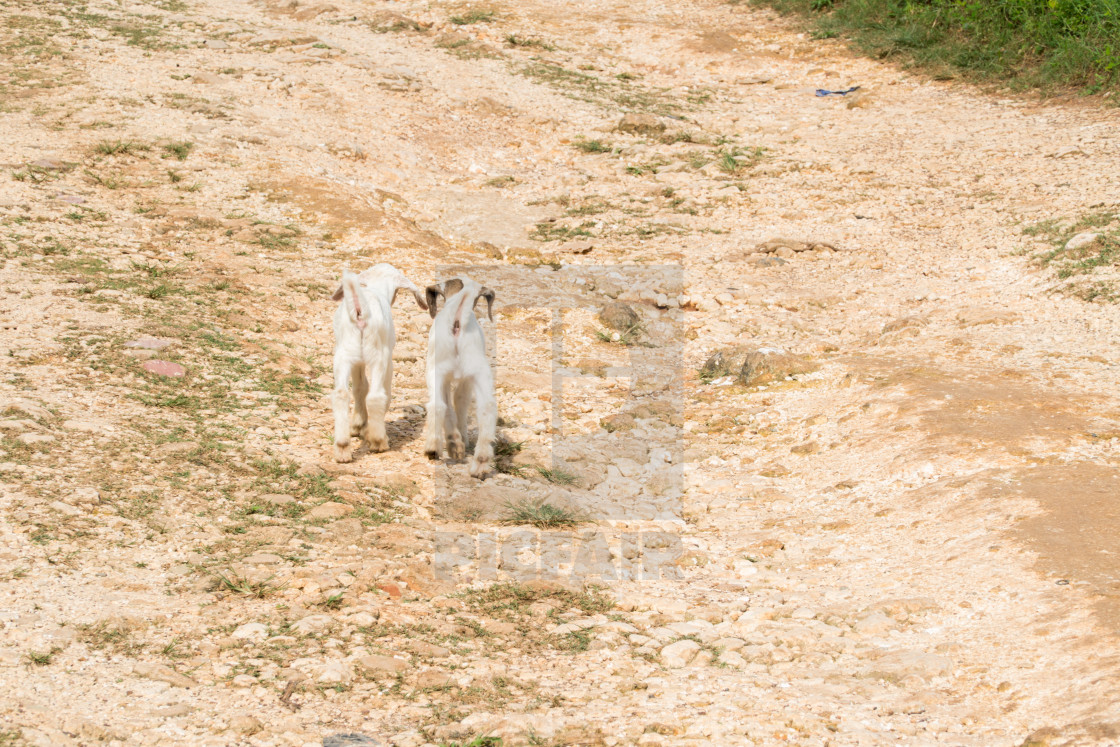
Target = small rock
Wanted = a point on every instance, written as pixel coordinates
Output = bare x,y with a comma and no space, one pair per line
244,680
773,246
164,368
860,100
905,322
330,510
162,673
766,365
65,508
392,590
382,664
174,447
908,662
312,624
809,447
755,367
345,530
251,632
148,343
333,672
206,79
216,44
276,499
498,627
679,654
637,123
263,558
1081,240
80,727
35,438
620,316
873,623
423,648
976,316
432,678
766,261
244,724
576,247
179,709
83,426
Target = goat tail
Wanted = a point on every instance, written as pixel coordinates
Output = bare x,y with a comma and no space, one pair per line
355,300
468,301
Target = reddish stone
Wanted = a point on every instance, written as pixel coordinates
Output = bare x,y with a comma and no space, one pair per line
164,368
391,589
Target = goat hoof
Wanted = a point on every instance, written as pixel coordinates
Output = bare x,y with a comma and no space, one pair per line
343,454
356,429
479,467
432,454
377,445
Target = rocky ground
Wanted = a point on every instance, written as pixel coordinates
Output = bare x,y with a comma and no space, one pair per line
841,470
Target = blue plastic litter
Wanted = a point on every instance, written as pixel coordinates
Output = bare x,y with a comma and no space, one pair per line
826,92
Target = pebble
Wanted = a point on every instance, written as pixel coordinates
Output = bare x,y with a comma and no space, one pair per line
330,510
1081,240
312,624
164,368
640,123
245,724
276,499
873,623
163,673
148,343
251,632
377,663
679,654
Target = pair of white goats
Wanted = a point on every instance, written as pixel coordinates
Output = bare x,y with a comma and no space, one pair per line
458,370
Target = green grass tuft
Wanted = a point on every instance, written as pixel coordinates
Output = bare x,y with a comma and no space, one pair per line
541,514
1045,44
178,150
473,16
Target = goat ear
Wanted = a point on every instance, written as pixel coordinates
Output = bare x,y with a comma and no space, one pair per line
489,296
403,282
432,293
451,287
337,295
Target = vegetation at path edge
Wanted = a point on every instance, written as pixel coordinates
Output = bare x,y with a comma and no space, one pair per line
1051,45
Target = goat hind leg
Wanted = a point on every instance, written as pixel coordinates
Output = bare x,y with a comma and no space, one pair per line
437,414
361,390
486,413
377,403
340,403
453,426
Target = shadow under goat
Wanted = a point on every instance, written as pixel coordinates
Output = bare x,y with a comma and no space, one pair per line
459,371
363,355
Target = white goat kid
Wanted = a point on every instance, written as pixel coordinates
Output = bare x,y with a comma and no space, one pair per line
363,354
458,371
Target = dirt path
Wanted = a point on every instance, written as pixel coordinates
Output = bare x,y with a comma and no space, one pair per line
906,534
